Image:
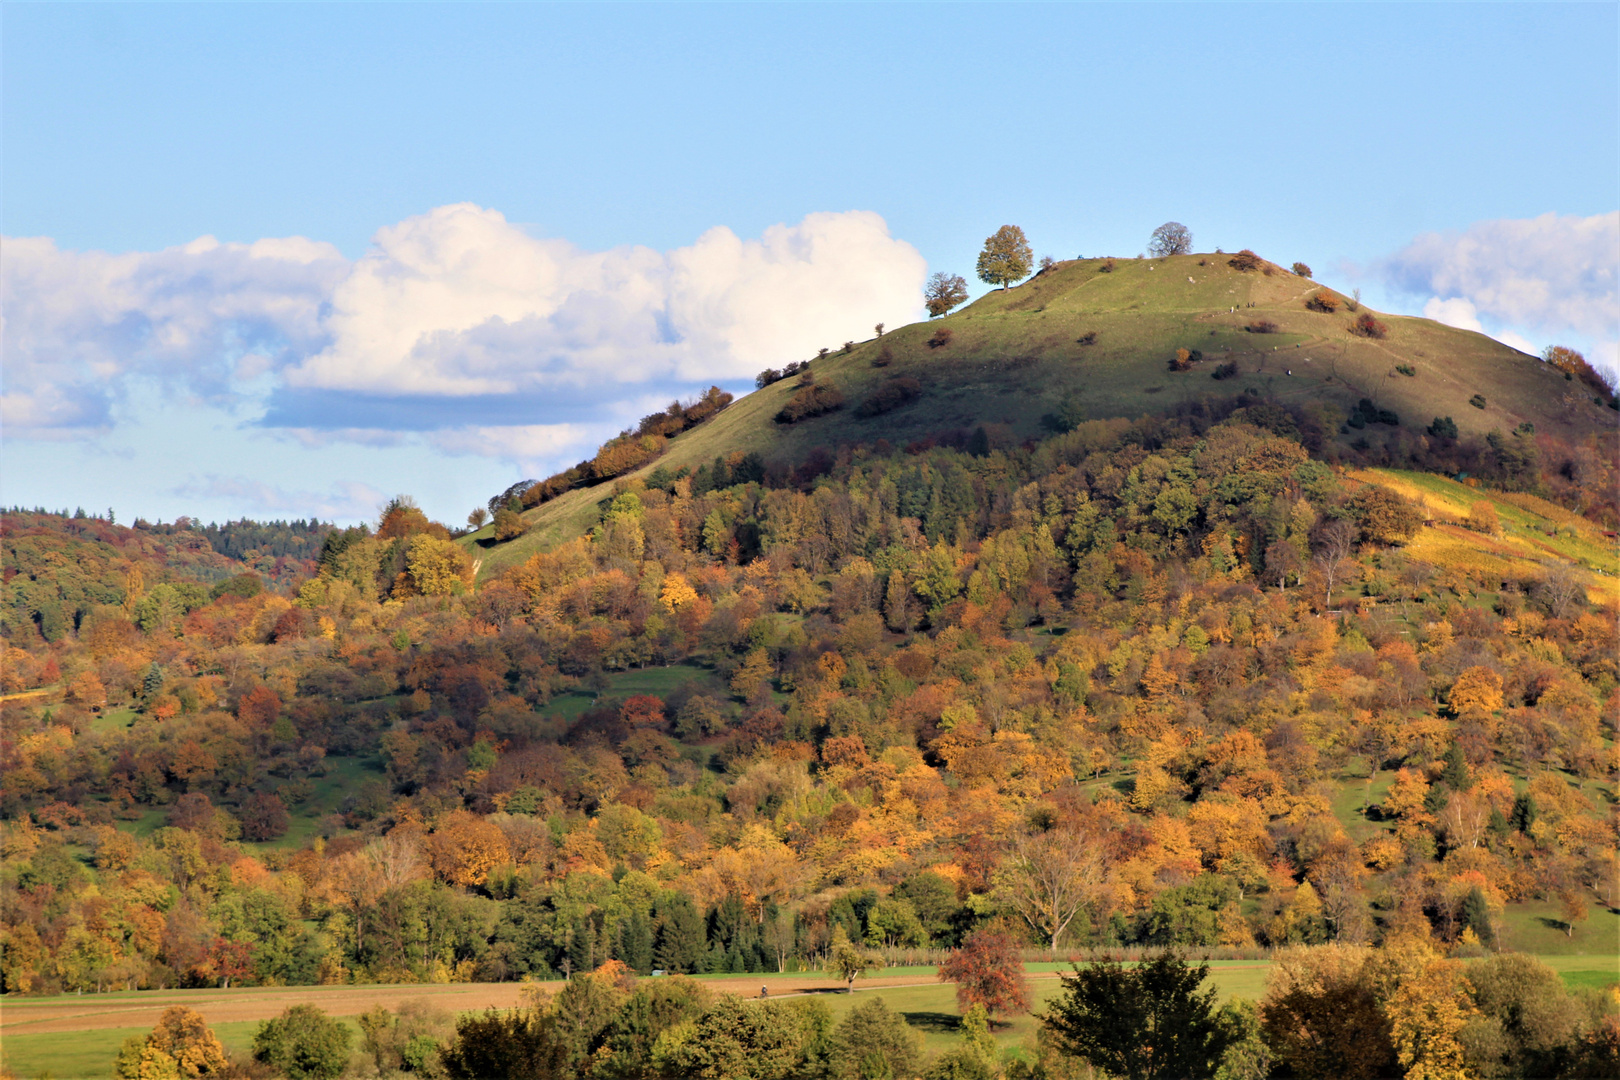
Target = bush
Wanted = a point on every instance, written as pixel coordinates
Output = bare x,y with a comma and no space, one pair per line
1185,359
1301,270
519,1045
1107,267
303,1042
1245,261
941,338
1477,401
884,358
849,347
1325,302
1087,338
809,401
1228,370
509,526
1047,263
891,395
1261,326
1368,327
1407,369
1444,427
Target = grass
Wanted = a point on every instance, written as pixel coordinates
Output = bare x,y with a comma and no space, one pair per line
1537,927
659,681
1015,356
89,1055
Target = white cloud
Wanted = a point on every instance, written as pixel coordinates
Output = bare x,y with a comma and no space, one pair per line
76,323
1454,312
460,302
343,501
517,442
456,303
1552,276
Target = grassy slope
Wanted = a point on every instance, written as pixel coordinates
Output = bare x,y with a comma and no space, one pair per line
1533,531
1015,356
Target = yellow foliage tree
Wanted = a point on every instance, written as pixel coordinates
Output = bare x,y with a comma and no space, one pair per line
1477,690
1427,1014
677,593
437,567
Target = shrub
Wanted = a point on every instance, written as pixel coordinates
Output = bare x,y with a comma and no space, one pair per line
1245,261
891,395
1182,361
849,347
1477,401
1368,327
1087,338
808,401
1444,427
1301,270
1228,370
941,338
878,329
1261,326
1406,369
766,377
1047,263
509,526
1325,302
303,1042
1107,267
884,358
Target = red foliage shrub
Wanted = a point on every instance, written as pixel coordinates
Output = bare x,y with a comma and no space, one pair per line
1245,261
1368,327
1325,302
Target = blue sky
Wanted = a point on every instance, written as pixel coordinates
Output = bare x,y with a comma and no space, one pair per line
454,245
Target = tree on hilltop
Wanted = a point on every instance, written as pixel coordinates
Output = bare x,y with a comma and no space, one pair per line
1171,238
1006,257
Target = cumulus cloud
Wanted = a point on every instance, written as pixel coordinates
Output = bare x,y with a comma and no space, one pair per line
461,302
77,323
1555,276
455,321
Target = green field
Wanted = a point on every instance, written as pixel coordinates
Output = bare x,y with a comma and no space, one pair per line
929,1006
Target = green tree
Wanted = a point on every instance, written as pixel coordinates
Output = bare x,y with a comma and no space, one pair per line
737,1040
1148,1022
872,1042
849,961
303,1042
518,1045
1006,257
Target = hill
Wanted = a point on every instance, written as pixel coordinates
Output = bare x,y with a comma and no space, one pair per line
1094,338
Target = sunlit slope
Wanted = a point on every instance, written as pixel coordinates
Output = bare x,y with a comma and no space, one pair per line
1016,355
1533,533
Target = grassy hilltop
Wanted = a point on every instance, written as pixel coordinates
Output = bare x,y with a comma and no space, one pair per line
1016,356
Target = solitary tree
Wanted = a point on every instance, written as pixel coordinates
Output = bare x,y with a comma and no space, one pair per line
987,972
849,961
944,292
1171,238
1149,1022
477,518
1006,257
